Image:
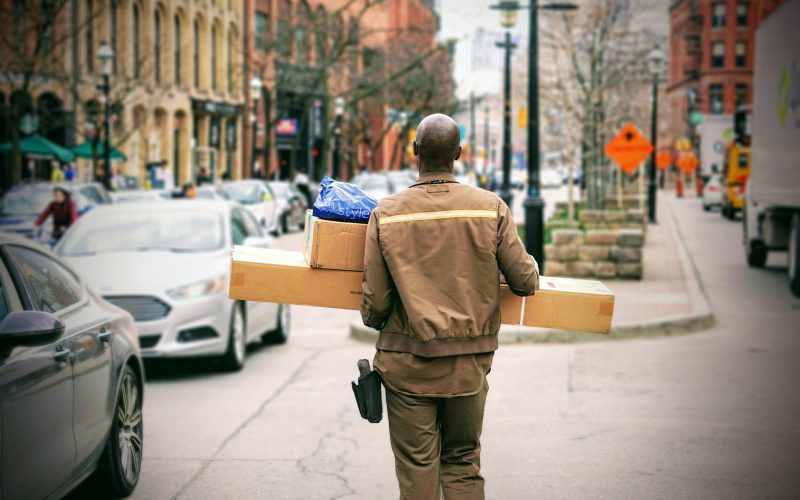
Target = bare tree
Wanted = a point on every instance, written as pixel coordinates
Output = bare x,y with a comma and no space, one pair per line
598,77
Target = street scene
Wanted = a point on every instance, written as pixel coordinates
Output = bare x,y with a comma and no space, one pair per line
190,192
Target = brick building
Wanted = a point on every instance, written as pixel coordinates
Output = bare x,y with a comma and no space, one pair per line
711,57
176,90
308,53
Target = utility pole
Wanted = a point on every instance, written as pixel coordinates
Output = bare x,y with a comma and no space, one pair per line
505,187
472,148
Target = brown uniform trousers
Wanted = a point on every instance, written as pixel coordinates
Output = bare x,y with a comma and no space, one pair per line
436,444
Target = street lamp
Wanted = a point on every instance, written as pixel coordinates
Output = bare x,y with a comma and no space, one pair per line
338,109
534,204
655,64
255,94
106,56
508,18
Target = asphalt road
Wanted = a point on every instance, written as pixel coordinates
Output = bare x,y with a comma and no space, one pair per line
707,415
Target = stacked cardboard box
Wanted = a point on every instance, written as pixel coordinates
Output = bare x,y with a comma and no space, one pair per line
328,274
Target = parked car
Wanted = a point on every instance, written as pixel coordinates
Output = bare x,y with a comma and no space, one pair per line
207,192
139,196
376,184
71,380
550,178
519,178
400,179
258,198
292,205
712,192
167,264
22,204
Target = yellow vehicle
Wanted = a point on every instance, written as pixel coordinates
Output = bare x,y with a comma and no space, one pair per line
735,173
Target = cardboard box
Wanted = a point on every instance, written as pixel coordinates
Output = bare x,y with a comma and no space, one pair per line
334,245
570,304
286,278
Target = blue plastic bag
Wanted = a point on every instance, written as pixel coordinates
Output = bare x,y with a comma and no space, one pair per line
343,202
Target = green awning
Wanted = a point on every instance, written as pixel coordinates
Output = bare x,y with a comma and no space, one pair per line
84,150
37,145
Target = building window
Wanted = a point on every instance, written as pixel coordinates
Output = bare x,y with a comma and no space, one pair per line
262,32
214,57
717,54
718,13
741,94
741,54
715,96
741,13
196,53
301,45
177,44
90,35
157,45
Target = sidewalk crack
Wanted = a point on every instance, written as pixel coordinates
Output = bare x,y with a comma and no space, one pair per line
207,462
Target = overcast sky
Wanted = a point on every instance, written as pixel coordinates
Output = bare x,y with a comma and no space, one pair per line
460,20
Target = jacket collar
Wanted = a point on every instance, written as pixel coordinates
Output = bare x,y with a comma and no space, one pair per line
436,176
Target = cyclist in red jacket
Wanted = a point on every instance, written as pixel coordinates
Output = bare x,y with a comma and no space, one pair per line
63,211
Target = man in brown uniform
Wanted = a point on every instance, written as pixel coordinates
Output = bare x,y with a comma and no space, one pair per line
431,286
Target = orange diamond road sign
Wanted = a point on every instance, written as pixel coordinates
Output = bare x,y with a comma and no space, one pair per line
687,162
629,148
663,159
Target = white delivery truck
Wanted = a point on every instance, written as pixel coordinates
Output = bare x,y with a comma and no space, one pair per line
772,207
715,132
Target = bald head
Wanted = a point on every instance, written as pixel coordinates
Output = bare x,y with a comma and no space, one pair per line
437,143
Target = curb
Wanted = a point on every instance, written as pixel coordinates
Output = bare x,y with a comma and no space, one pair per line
701,318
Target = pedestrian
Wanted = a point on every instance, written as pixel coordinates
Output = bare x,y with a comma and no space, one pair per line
188,191
63,211
56,174
69,172
203,177
432,259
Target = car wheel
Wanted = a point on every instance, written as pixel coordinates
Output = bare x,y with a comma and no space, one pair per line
756,253
122,457
706,208
281,332
233,359
794,256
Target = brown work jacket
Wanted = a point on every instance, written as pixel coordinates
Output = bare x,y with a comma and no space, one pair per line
431,261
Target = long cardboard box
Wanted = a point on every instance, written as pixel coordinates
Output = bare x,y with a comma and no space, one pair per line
334,245
570,304
286,278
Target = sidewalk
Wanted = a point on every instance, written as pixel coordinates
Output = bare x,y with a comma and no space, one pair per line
667,301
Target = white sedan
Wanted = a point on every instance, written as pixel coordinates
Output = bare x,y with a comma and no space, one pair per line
167,264
712,192
258,198
550,178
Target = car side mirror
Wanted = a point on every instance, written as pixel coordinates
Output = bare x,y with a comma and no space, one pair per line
257,241
29,328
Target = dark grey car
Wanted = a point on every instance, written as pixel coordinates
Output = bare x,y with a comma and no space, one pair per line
71,380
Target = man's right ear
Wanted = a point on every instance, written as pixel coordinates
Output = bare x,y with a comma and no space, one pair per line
416,148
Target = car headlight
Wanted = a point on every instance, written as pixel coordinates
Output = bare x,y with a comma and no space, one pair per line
198,289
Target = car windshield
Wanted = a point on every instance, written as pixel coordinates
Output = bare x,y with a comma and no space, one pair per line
371,183
281,189
245,193
26,201
145,230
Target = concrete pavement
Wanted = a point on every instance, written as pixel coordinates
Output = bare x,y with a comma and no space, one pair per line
709,415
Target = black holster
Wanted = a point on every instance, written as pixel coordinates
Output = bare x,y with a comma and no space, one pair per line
368,396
